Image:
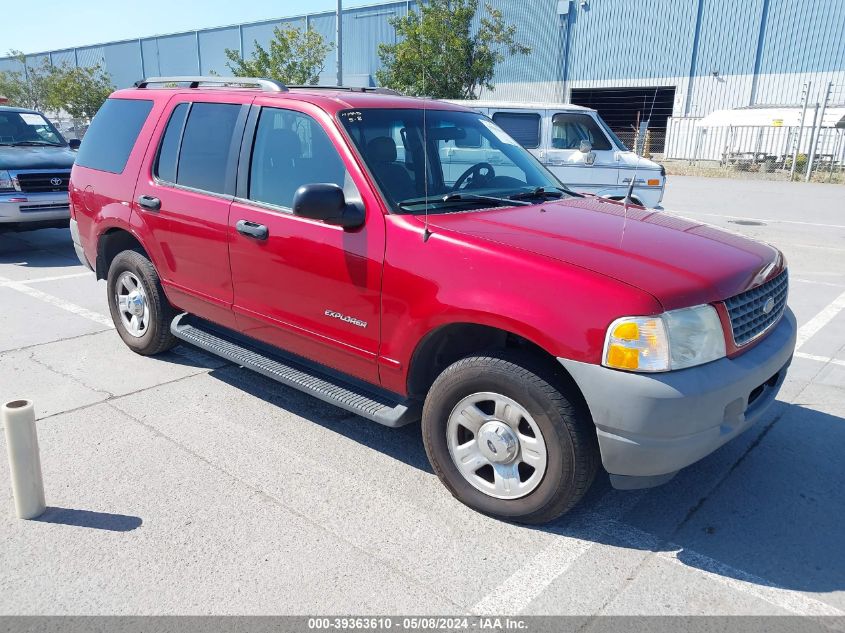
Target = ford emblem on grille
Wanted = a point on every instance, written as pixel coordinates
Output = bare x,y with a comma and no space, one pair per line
55,181
769,305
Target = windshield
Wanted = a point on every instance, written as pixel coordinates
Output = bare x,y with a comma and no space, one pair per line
27,128
458,160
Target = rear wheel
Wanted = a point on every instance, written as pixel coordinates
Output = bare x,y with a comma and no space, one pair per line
139,309
506,441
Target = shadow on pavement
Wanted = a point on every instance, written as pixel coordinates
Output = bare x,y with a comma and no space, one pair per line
44,248
776,518
89,519
404,444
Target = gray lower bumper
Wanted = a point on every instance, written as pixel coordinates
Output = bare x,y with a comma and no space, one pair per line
650,426
77,244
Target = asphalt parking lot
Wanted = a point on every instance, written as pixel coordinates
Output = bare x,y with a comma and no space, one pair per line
183,484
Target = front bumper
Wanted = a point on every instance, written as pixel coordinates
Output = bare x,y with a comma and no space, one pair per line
649,426
22,209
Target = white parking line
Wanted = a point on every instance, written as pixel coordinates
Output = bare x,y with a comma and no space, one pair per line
43,279
767,220
793,601
530,580
811,327
821,359
57,302
816,282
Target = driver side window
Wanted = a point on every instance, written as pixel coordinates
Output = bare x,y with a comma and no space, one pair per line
291,149
569,129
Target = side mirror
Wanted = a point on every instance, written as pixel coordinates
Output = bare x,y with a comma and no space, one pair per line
74,143
326,202
585,147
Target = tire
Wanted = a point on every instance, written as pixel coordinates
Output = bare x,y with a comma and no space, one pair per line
565,429
150,333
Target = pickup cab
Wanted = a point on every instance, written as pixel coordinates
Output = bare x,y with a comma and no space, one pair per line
319,237
35,162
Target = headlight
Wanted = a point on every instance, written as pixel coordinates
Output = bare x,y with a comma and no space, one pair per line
672,340
6,181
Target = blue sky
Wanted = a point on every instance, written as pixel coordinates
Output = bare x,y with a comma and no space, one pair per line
53,24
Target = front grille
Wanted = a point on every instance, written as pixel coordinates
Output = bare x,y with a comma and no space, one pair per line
39,182
749,318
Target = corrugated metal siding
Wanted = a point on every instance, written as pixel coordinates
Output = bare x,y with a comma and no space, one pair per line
91,56
804,36
58,58
538,26
631,38
149,50
213,45
123,63
325,26
728,40
36,61
177,54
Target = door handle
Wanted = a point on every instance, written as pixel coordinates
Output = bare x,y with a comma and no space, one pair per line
252,229
149,202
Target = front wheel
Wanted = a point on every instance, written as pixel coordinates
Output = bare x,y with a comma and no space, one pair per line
506,441
139,309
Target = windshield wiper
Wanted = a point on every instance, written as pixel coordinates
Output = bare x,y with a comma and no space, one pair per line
449,198
39,143
543,192
457,196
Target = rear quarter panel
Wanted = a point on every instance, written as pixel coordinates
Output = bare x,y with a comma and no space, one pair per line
103,200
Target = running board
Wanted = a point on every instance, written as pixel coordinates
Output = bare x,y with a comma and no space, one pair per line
344,392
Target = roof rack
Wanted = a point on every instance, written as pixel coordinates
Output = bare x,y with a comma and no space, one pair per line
373,89
267,85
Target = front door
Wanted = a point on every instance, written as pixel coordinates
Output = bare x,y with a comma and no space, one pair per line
307,287
587,171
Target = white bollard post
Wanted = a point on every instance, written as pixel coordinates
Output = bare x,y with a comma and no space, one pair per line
24,461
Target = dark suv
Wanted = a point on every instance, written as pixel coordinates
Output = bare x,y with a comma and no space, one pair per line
332,240
35,162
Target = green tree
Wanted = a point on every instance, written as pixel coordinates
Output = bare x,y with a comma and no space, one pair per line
438,54
79,91
27,87
296,57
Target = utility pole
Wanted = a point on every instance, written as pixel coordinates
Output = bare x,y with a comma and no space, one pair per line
339,41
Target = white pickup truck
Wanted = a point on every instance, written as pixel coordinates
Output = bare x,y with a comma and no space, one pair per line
575,144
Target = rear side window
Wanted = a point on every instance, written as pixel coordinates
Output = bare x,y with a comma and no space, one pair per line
196,147
112,135
206,144
523,127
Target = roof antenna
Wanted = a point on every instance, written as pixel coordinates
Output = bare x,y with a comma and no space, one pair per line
426,231
628,195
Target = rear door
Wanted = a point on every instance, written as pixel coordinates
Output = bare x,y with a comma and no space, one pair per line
588,171
183,198
307,287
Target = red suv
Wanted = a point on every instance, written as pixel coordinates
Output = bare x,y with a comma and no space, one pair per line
333,240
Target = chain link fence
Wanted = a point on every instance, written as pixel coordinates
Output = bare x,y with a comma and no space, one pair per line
811,148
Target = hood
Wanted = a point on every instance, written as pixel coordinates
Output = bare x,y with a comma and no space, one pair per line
680,262
28,157
630,159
